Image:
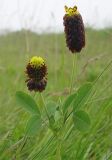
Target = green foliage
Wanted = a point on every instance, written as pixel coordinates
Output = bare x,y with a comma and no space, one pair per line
56,121
82,95
68,102
95,143
34,125
51,106
27,102
81,120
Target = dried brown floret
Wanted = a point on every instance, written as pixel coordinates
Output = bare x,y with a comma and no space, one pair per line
37,86
36,73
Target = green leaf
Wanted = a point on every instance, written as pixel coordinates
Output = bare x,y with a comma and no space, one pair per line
34,125
56,121
51,158
27,102
81,121
57,115
52,122
51,107
68,102
82,95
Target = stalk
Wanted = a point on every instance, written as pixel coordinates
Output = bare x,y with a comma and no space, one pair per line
74,68
45,106
58,153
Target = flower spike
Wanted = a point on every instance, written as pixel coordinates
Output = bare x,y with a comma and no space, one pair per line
74,29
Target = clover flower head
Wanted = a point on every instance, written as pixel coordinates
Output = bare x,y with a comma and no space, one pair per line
36,71
74,29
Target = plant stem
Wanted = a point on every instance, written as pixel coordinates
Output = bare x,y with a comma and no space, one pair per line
21,147
44,106
58,154
69,131
73,71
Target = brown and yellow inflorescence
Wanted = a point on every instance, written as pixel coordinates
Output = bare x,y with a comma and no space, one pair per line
36,71
74,29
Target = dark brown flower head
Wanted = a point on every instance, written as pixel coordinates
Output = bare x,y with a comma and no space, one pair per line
36,71
37,86
74,29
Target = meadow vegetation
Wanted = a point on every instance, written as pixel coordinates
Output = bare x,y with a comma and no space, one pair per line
94,65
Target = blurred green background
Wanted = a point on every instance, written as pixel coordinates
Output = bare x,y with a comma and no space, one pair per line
15,51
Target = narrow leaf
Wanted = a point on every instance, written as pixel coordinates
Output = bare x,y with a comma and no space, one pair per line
82,95
27,102
81,121
34,125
